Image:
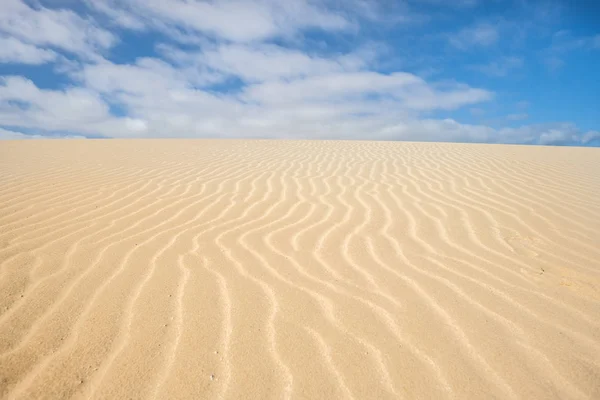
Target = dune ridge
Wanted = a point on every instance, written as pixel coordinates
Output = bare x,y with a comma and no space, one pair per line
225,269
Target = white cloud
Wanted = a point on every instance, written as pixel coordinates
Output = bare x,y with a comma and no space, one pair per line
234,20
266,62
331,87
590,136
12,135
545,134
162,100
60,29
451,130
15,51
406,91
79,102
77,110
146,76
118,16
269,62
161,105
556,136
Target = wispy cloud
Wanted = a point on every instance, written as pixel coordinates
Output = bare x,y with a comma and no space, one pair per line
479,35
517,117
456,3
477,112
563,43
501,67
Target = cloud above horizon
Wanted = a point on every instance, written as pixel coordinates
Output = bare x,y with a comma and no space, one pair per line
293,69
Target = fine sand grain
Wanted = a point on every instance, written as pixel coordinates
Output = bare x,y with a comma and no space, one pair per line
209,269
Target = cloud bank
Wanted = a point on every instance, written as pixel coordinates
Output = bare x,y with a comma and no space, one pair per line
247,69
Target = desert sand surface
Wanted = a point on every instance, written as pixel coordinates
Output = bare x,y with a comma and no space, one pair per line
256,269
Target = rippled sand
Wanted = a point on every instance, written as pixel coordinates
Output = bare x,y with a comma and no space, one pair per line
298,269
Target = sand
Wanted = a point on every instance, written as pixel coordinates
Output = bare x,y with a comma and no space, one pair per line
209,269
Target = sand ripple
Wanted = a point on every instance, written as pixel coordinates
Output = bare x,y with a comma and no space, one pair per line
298,269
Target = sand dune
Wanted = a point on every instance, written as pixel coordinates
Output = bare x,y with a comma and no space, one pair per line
181,269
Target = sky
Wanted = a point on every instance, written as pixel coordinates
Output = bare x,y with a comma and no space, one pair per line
490,71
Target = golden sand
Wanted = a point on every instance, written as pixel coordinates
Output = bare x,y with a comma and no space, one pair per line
207,269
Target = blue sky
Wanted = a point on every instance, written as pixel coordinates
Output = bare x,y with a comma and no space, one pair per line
494,71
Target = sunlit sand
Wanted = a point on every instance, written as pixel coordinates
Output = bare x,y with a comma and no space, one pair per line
200,269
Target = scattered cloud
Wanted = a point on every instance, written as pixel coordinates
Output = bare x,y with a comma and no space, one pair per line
563,43
237,68
553,63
